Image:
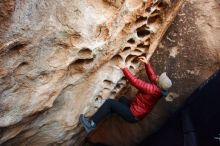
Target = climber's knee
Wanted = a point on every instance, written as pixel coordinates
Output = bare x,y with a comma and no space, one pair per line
109,101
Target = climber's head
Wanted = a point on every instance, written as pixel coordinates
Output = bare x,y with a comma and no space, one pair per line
164,81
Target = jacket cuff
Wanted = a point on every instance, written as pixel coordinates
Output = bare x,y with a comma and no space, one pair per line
125,68
148,64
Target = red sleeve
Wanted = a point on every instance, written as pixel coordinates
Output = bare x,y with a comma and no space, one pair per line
150,72
137,83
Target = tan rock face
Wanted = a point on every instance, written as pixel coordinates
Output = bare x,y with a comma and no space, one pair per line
57,61
189,53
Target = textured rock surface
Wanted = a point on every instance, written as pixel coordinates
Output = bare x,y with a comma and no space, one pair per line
189,53
56,61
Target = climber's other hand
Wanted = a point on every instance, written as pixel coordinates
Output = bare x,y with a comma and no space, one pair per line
121,65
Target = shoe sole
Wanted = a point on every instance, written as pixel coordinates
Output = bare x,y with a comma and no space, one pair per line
81,121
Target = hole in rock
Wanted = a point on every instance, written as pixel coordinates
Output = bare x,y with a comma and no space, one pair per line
160,5
98,98
142,50
137,51
116,59
113,93
126,48
107,88
22,68
122,81
18,47
142,31
142,45
118,86
22,64
14,46
63,45
141,19
78,64
85,52
107,83
153,19
135,60
131,67
84,61
144,54
155,12
131,41
148,9
129,57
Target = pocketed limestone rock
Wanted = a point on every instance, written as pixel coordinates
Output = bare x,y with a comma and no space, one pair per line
57,60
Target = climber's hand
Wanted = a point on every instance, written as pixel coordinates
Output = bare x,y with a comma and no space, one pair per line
121,65
143,59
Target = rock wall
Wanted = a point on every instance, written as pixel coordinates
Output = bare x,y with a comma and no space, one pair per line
57,61
189,53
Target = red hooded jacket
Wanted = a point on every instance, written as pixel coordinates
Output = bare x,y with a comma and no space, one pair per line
148,93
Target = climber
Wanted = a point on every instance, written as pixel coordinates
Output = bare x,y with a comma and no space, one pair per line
147,96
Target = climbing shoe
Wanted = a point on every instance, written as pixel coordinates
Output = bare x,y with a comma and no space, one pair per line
89,125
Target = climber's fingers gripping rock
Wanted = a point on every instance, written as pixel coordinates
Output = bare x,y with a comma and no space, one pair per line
121,65
143,59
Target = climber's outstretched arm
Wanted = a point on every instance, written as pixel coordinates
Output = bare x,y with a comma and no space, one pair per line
137,83
149,70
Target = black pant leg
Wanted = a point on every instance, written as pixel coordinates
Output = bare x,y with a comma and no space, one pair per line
102,112
124,101
112,106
